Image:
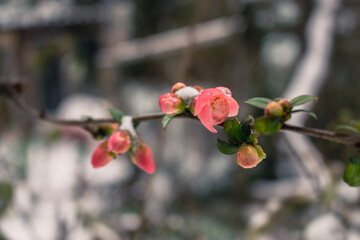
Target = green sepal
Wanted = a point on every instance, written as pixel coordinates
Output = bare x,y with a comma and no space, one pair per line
268,125
116,114
103,131
166,120
302,99
233,130
352,172
260,153
258,102
305,111
112,154
226,147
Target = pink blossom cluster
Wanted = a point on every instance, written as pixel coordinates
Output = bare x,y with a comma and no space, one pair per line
212,105
120,142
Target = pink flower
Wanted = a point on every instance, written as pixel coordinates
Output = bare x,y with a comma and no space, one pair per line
119,142
214,105
170,103
247,156
143,158
101,155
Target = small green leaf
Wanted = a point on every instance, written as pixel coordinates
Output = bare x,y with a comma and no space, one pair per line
233,130
258,102
267,125
226,147
352,172
346,129
116,114
302,99
305,111
166,120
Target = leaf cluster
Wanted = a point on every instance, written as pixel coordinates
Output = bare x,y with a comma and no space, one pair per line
238,133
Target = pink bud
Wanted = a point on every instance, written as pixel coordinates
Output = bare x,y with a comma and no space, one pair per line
273,109
101,156
143,158
214,105
285,104
247,156
198,88
119,142
177,87
170,103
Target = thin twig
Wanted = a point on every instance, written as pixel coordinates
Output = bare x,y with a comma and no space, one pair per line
352,140
13,93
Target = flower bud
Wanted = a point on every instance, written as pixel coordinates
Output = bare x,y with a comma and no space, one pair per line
285,104
143,158
273,109
170,103
247,156
101,156
198,88
119,142
177,87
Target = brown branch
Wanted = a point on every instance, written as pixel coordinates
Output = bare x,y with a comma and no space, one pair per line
13,92
351,140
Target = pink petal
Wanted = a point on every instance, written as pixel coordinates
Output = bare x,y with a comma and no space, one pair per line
247,156
233,107
225,90
203,99
219,108
206,119
119,142
101,156
170,103
144,159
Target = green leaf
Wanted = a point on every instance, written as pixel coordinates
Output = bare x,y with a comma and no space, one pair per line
346,129
302,99
116,114
226,147
306,111
233,130
258,102
246,131
352,172
166,120
267,125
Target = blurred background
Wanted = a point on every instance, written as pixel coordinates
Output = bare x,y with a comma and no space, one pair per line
80,57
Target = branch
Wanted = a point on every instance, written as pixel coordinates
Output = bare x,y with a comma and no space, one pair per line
13,92
351,140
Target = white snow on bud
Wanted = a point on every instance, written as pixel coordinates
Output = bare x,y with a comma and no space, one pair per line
127,125
187,94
